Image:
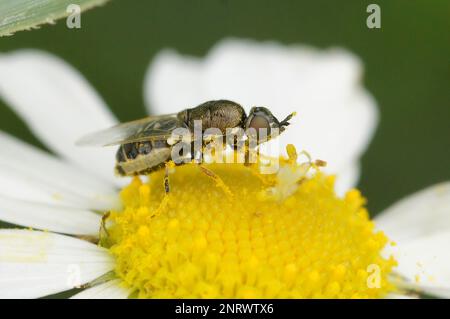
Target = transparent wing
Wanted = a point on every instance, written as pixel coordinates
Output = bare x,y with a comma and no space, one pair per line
149,128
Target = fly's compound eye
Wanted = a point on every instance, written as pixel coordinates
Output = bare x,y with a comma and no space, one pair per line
259,125
258,122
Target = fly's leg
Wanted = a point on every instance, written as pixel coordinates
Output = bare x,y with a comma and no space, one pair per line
247,156
216,178
166,180
168,167
246,147
162,206
251,153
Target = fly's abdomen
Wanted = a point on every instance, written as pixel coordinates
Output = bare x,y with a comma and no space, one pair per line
141,157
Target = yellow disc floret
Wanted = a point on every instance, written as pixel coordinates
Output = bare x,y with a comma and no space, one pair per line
236,233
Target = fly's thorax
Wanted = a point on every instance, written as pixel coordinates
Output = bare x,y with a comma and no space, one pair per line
220,114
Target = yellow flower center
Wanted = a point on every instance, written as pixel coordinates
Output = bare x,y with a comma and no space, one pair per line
236,233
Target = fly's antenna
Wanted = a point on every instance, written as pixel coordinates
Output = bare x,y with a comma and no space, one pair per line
285,122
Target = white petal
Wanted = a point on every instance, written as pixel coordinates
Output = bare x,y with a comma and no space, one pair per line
399,296
420,226
421,214
107,290
337,135
347,178
336,116
49,217
31,174
35,264
58,105
160,79
425,262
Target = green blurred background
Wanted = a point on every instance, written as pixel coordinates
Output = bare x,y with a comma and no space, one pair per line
406,62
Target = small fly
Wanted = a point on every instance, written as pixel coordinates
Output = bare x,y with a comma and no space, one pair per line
146,145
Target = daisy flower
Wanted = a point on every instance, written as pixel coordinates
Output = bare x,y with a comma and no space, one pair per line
233,234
